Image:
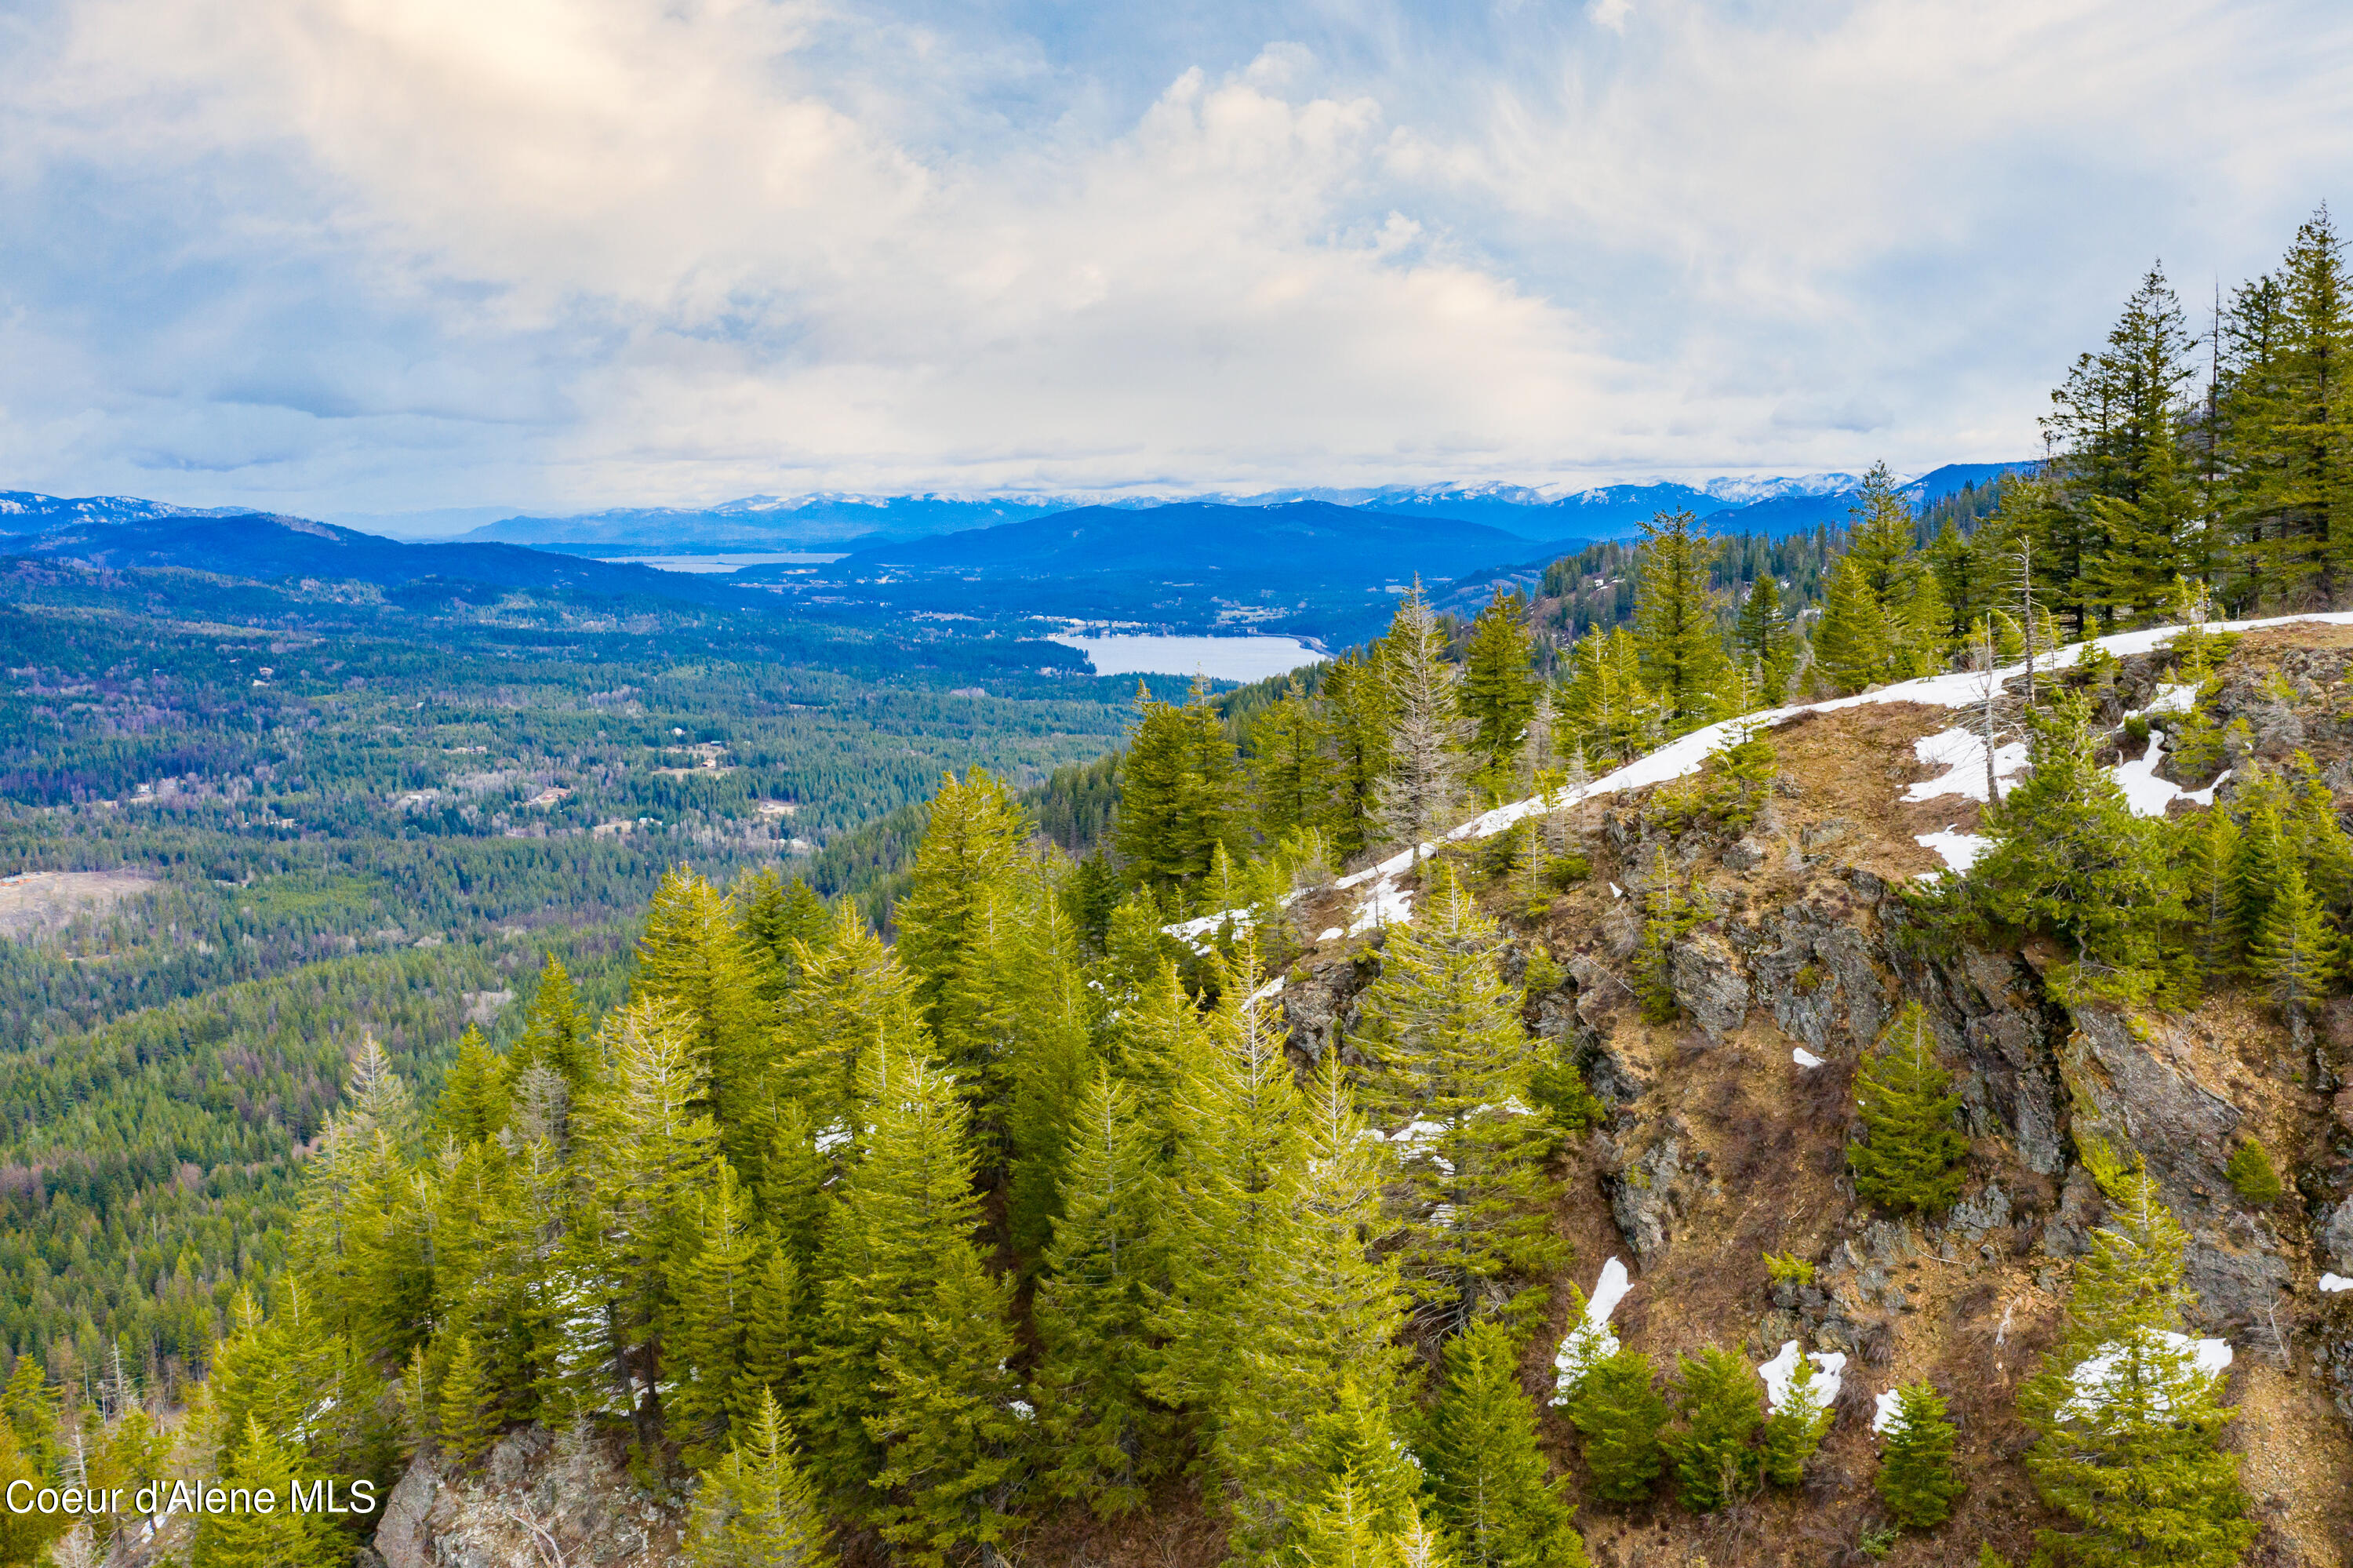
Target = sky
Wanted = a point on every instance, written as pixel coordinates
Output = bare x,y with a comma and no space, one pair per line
461,257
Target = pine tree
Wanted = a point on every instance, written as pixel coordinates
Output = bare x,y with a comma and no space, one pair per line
693,955
2295,953
1675,621
552,1035
1498,690
473,1105
25,1537
1289,774
1446,1073
2068,856
281,1538
2128,1430
651,1152
1488,1477
783,918
1763,638
1357,690
1850,645
714,1285
2282,423
470,1414
1605,709
2121,523
1916,1479
1274,1301
2252,1174
854,998
1338,1531
1178,787
1721,1410
1357,1438
1620,1415
772,1328
911,1427
1103,1273
753,1510
1795,1428
970,845
1421,794
1668,917
2216,933
1911,1154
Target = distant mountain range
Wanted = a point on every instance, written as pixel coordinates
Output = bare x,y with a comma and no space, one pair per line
1289,543
121,533
1776,506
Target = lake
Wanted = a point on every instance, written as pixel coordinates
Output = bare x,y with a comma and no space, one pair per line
1219,658
713,564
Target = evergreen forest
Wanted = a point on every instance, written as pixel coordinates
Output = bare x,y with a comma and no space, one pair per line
492,1056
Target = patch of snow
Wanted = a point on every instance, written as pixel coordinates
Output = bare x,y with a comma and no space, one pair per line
2091,1374
831,1137
1590,1340
1616,891
1680,758
2330,1284
1387,904
1958,850
1333,935
1804,1058
1608,1291
2206,797
2145,792
1884,1414
1830,1368
1961,753
1271,988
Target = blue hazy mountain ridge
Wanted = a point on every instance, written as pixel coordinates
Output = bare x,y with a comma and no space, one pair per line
1777,507
1291,542
768,520
271,548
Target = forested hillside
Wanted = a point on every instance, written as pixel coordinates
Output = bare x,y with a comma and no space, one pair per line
1937,999
248,826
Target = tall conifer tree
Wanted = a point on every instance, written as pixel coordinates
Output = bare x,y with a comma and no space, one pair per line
1498,691
1487,1475
1447,1075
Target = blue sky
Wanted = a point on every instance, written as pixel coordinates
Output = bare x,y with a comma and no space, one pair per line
348,256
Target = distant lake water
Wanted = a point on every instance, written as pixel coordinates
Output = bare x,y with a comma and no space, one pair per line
1219,658
706,566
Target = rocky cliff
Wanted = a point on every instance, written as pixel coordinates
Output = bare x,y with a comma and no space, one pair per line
1724,1133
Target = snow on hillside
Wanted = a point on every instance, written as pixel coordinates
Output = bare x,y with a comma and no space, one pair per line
1383,901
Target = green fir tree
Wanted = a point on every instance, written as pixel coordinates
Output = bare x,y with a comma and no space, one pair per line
1621,1415
1715,1460
1916,1479
1489,1480
1446,1074
1910,1156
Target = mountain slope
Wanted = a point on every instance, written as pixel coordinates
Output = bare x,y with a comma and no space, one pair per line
271,548
1299,540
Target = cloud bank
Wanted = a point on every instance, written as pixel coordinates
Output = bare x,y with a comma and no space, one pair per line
337,255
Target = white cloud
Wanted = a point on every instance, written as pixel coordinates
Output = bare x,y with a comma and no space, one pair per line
383,253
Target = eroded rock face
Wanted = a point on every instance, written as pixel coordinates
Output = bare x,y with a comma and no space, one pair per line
2130,1090
538,1500
2332,1232
1817,978
1643,1199
1707,981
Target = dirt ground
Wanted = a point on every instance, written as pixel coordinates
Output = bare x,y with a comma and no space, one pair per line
38,900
